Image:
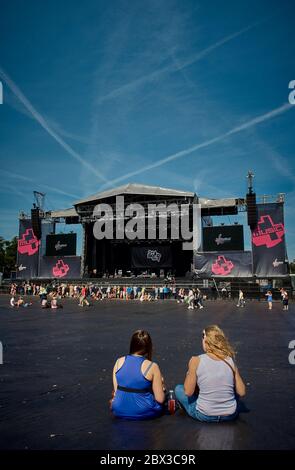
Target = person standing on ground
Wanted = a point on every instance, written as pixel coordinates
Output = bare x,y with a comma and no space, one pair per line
241,301
199,296
83,299
285,299
224,292
269,299
191,299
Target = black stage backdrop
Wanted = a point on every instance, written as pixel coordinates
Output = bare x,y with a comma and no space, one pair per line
268,241
223,238
60,267
27,251
229,264
151,257
61,244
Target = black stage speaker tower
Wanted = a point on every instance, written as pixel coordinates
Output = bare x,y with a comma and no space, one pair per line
36,222
251,210
251,202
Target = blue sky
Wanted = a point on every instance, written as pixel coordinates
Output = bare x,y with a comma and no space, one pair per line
183,94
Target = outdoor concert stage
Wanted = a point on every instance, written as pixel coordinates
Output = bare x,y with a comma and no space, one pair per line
148,230
56,378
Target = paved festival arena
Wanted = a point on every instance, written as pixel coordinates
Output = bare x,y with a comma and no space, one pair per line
56,377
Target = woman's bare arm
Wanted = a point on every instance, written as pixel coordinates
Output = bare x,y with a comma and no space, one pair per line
118,364
190,381
115,384
239,384
158,384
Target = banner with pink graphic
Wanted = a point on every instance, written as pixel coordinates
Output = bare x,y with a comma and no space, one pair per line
268,241
60,267
223,264
27,251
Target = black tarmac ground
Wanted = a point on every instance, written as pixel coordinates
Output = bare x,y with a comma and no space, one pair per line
56,379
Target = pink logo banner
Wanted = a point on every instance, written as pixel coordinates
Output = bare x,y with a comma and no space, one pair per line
28,244
61,269
222,266
267,232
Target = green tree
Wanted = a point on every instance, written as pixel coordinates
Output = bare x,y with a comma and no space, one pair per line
292,267
2,254
8,252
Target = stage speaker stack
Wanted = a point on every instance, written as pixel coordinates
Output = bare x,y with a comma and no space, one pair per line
251,210
36,222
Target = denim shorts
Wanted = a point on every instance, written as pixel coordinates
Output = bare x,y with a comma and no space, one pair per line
190,406
214,419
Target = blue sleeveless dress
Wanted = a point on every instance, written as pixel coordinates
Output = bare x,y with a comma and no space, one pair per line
139,404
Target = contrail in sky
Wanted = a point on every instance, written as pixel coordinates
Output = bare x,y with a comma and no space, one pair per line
173,67
235,130
11,174
43,123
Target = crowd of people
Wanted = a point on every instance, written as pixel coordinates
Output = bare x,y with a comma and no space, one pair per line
50,293
194,298
97,292
86,294
269,298
49,298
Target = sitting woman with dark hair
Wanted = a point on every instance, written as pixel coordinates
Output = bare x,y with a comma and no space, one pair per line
138,383
212,381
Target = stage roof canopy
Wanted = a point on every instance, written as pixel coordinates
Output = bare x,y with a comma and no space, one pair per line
135,189
64,213
209,206
226,206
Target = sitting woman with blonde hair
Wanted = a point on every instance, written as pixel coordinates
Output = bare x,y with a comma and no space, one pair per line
212,380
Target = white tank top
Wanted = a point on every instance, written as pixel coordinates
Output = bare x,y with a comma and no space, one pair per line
216,384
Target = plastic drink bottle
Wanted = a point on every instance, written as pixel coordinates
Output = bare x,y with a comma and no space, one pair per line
171,402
